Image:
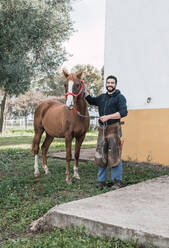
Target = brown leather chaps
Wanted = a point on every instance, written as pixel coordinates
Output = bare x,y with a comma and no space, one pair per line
108,150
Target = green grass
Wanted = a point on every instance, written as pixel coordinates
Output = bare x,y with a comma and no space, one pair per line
24,198
23,139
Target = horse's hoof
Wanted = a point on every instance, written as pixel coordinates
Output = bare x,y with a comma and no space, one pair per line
47,172
77,177
37,174
69,181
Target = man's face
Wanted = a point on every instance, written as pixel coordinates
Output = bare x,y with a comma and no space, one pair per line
110,85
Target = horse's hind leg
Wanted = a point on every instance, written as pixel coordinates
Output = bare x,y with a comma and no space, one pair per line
35,148
48,140
78,144
68,142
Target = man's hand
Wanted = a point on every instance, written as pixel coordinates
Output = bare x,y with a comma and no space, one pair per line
85,89
104,118
110,117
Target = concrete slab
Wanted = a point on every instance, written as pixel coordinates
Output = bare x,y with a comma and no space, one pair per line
138,212
85,155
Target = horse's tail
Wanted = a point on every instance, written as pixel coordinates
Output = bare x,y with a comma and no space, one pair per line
38,130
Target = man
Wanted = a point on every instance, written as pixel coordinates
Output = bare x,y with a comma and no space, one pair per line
112,107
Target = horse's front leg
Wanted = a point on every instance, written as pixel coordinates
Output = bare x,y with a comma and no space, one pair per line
68,141
78,144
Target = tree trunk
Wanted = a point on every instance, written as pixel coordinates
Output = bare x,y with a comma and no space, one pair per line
2,109
26,122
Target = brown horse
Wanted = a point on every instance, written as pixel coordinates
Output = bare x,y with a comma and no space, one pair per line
62,121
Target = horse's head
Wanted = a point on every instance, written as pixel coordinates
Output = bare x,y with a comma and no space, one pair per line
73,88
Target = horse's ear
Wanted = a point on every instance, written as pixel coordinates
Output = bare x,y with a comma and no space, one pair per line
79,75
65,74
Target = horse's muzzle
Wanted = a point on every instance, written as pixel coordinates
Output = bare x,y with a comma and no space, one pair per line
70,107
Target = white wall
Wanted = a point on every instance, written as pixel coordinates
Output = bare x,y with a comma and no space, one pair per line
137,50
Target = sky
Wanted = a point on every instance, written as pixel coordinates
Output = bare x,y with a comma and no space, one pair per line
87,44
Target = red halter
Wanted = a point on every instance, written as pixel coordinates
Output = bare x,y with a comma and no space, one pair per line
76,95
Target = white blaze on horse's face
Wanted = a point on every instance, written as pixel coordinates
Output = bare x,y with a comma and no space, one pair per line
70,100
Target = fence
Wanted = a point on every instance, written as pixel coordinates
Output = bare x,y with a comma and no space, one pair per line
18,124
21,124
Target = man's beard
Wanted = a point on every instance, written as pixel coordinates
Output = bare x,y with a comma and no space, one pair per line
110,89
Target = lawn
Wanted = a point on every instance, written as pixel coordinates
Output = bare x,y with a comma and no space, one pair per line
24,198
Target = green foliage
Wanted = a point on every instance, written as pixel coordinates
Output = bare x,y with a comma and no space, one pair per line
52,85
31,42
31,37
24,198
93,78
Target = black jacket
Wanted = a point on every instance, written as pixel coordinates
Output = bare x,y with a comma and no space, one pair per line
109,104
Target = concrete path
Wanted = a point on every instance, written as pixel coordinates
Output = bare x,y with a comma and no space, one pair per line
139,212
85,155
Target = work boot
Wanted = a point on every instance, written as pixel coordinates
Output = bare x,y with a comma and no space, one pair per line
117,184
100,185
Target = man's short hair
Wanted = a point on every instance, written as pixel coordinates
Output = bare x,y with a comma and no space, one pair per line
113,77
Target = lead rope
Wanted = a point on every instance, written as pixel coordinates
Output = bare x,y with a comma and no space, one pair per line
87,116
